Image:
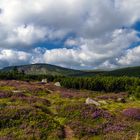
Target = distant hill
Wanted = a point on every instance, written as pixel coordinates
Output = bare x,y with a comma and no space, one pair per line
129,71
56,70
44,69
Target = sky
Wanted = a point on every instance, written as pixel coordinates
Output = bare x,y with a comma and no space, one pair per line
78,34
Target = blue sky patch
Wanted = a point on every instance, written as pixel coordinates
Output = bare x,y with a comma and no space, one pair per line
136,26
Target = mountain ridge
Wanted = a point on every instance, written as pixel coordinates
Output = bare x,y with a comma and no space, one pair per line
41,68
49,69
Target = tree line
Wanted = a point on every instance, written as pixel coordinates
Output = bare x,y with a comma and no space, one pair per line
104,83
95,83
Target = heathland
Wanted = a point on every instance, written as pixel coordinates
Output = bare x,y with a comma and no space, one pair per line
86,106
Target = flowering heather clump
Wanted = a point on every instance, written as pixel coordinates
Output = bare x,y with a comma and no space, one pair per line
92,112
79,110
87,111
29,120
72,94
5,94
67,95
35,90
30,99
20,94
115,127
83,111
81,129
101,113
133,113
112,96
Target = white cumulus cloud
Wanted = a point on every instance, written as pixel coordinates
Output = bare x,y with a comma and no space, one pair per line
94,33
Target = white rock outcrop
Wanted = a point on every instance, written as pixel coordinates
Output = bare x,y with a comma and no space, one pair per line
57,84
91,101
44,81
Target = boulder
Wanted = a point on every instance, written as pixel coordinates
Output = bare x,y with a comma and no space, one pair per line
121,100
44,81
91,101
57,84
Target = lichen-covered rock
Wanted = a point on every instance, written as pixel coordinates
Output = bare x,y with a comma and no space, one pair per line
122,100
57,84
91,101
44,81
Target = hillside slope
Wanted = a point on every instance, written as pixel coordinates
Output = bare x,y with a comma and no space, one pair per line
44,69
56,70
129,71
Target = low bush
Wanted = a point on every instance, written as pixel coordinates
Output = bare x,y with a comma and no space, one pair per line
133,113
